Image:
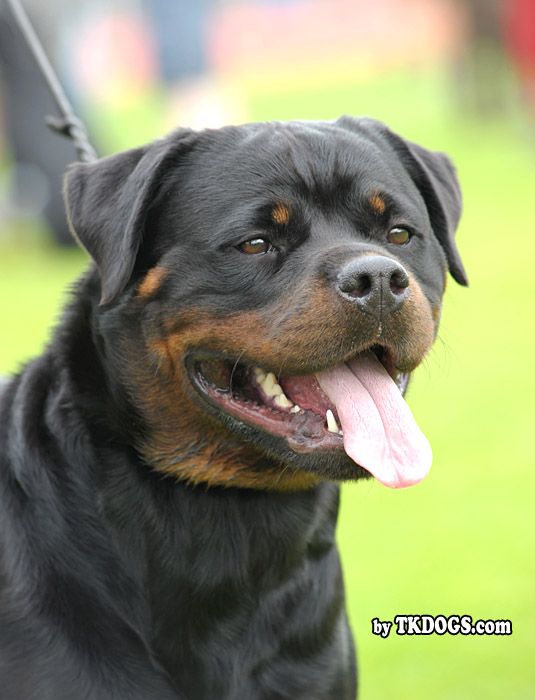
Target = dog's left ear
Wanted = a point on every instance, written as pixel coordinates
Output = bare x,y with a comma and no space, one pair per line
108,201
434,175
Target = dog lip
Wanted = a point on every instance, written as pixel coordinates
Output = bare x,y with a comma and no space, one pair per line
227,387
304,431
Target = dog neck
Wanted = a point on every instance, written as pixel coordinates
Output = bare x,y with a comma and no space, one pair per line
211,562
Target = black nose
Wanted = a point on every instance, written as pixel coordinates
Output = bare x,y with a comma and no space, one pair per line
377,284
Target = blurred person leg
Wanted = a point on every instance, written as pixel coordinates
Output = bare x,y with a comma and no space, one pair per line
483,78
40,157
519,31
199,98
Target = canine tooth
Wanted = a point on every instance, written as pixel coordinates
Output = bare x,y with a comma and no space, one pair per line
282,401
332,425
295,409
259,374
270,385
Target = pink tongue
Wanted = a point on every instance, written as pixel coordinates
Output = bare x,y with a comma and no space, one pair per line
380,432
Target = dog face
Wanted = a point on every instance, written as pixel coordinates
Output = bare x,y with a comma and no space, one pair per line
265,292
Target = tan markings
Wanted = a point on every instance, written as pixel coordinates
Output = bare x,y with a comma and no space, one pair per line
313,328
229,470
281,214
377,203
183,441
152,281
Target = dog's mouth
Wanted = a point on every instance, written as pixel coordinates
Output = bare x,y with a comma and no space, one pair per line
356,406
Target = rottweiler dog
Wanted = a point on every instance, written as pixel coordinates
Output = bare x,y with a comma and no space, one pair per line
258,298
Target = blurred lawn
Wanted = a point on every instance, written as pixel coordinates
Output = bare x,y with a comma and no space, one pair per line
463,541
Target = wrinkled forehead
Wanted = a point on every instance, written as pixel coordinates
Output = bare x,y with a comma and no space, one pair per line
320,164
307,153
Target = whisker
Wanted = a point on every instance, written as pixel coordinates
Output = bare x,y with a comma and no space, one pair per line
236,363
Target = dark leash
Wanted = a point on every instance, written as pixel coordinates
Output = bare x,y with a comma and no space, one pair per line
67,124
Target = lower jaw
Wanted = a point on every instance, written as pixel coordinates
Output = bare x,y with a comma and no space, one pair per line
262,462
254,458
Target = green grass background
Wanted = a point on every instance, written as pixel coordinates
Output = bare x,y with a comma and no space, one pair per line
462,542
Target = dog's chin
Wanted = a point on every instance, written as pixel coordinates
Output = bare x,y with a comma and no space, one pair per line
288,419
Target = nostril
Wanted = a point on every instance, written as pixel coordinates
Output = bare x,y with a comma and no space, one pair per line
358,287
399,281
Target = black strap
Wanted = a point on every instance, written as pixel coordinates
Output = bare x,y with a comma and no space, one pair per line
68,123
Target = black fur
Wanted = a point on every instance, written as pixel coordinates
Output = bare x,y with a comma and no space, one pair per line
118,582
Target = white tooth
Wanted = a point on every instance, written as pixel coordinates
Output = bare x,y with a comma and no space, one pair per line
270,385
295,409
282,401
259,374
332,425
341,432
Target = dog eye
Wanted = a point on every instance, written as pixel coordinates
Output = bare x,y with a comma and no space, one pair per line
256,246
399,236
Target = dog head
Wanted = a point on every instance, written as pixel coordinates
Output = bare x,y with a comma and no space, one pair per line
266,291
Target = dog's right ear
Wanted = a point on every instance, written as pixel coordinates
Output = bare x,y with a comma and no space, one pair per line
107,203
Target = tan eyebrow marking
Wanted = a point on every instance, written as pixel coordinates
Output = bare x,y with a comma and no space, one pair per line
377,203
152,281
281,214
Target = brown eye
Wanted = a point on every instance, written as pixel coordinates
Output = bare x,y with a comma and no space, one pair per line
256,246
399,236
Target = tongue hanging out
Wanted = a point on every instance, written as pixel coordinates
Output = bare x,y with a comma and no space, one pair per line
380,432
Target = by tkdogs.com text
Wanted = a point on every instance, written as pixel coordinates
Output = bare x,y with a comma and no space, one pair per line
427,624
